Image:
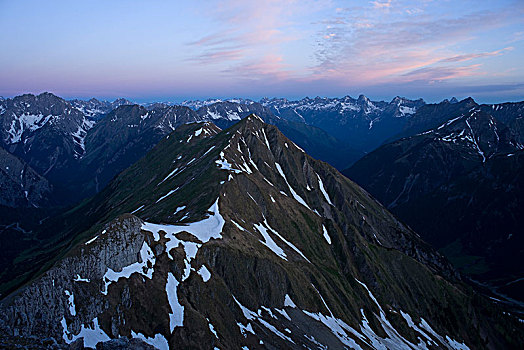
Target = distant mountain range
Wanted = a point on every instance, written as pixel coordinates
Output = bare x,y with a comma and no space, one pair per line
84,144
238,239
363,124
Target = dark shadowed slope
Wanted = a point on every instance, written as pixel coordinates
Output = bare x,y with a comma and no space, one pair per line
460,186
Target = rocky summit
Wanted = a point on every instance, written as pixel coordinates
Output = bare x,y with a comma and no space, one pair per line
237,239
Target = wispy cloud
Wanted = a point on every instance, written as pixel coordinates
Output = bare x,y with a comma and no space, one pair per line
471,56
213,56
404,44
260,68
381,4
440,73
245,30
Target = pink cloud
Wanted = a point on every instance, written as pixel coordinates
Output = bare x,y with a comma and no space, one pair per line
467,57
381,5
440,73
371,49
268,65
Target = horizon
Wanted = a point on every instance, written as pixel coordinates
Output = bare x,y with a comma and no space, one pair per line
163,51
179,100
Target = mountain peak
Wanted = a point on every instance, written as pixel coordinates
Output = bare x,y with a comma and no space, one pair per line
397,99
122,101
201,130
362,98
468,100
49,95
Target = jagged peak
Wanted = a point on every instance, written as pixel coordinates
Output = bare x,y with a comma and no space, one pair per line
49,94
202,130
397,99
123,108
45,99
362,98
122,101
468,100
251,122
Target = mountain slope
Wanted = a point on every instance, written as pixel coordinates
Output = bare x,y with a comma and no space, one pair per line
409,167
509,113
458,185
20,185
479,222
430,116
239,238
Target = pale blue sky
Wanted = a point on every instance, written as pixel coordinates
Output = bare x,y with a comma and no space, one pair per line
174,50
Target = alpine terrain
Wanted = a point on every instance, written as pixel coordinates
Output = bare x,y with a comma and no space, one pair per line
460,185
238,239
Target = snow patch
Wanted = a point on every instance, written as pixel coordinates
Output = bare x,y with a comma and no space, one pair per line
137,209
91,240
158,341
326,235
293,193
92,336
166,195
323,190
288,302
212,329
176,316
269,242
70,302
204,273
80,279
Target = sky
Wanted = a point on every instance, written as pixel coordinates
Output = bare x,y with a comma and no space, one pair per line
176,50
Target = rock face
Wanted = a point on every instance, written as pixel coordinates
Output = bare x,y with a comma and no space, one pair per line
239,239
459,185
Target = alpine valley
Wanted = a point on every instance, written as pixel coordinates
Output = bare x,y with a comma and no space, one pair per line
226,224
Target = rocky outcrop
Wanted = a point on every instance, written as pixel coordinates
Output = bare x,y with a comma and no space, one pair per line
73,287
